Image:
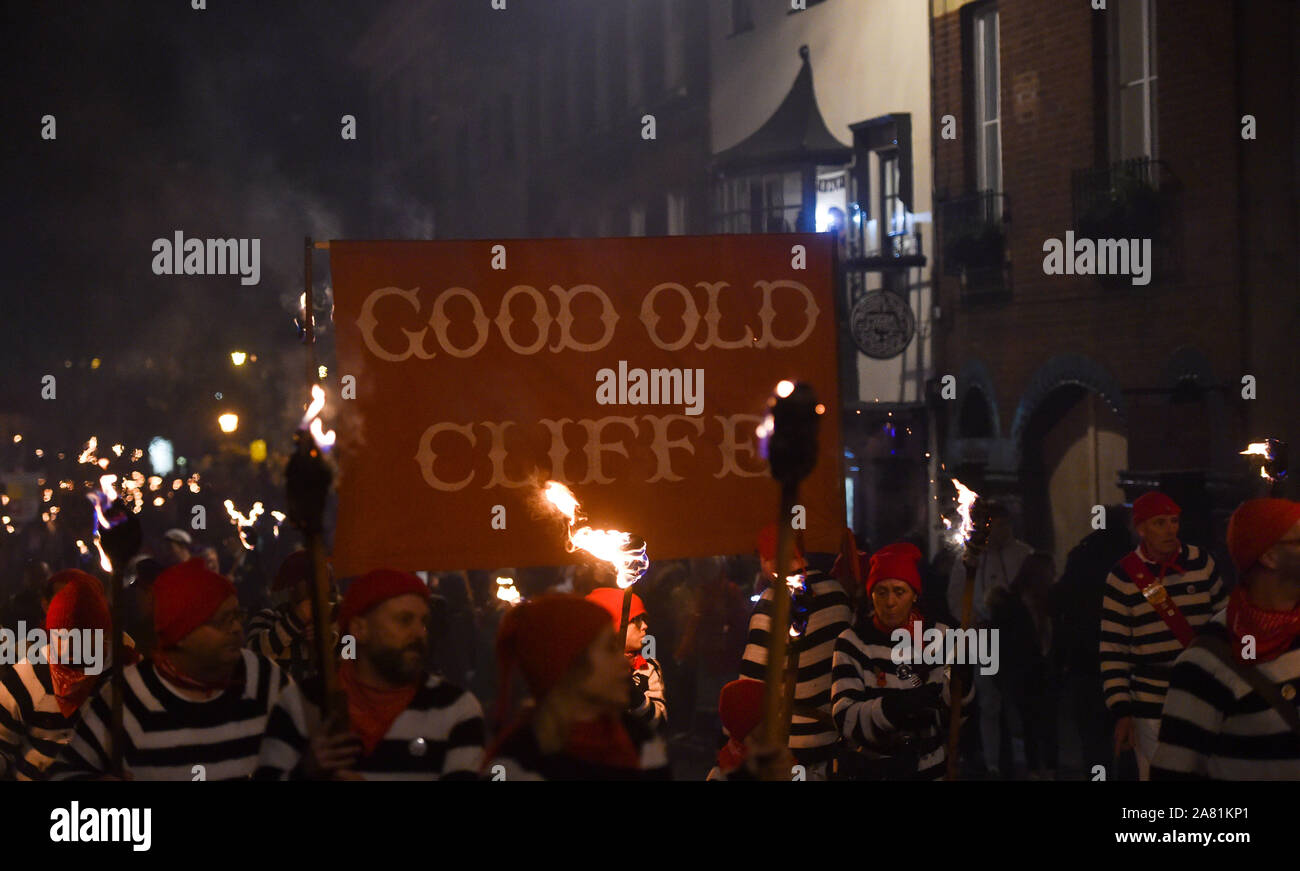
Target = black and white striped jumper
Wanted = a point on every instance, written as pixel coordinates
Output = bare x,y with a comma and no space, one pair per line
520,758
1137,648
438,737
168,735
653,708
279,635
1216,727
864,673
33,728
812,739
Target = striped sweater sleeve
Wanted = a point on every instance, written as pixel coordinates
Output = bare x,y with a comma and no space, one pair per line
288,725
465,739
272,634
754,663
1218,597
1116,645
12,721
85,756
1192,720
855,700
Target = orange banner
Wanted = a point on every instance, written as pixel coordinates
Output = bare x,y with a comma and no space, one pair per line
633,370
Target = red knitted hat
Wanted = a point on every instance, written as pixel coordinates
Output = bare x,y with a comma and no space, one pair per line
740,707
544,637
1256,526
185,597
374,587
611,599
767,542
79,605
295,569
1153,504
896,562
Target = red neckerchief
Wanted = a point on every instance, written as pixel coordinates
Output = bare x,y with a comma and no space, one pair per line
72,686
1274,631
731,756
1170,565
910,625
166,668
638,661
371,710
602,741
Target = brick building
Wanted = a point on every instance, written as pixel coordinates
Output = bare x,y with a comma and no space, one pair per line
1054,118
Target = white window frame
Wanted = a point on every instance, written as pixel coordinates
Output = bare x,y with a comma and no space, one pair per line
1146,80
985,116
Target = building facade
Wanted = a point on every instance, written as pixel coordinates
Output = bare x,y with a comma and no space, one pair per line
1153,121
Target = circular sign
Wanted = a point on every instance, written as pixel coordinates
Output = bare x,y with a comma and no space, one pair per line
882,324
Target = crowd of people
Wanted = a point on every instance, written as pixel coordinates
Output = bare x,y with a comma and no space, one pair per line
1138,650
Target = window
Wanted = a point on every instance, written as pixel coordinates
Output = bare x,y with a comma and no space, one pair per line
1133,81
893,214
636,220
742,16
988,128
676,213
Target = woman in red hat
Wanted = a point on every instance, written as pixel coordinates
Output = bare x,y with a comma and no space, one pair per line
579,727
891,714
647,678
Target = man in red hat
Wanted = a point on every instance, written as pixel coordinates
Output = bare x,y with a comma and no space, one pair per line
579,727
647,696
285,633
404,723
1230,710
820,613
890,713
41,693
196,709
1155,600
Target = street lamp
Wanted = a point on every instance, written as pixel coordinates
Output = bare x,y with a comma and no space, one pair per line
238,357
228,422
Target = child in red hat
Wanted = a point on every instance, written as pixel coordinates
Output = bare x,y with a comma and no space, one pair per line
647,700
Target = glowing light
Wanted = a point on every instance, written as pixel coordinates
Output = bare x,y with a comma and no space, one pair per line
242,522
238,357
311,419
39,453
784,389
612,546
136,455
81,547
228,422
17,439
94,362
965,499
176,485
117,450
506,591
154,483
821,409
103,462
4,500
158,502
322,371
47,495
87,452
1259,449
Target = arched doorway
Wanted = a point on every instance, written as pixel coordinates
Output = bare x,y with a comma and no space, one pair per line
1073,447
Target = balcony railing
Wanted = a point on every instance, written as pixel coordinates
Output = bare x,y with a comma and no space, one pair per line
973,241
1132,199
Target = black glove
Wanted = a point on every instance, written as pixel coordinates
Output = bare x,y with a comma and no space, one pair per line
640,684
121,542
904,706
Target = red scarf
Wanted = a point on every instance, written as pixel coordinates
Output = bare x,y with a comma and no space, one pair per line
636,660
372,710
1274,631
910,625
1168,566
602,741
732,755
166,668
72,686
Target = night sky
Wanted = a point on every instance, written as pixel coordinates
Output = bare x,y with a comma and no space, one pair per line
221,123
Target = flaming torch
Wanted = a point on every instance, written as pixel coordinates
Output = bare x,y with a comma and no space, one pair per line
1273,467
971,536
787,439
308,478
506,591
626,553
117,537
241,522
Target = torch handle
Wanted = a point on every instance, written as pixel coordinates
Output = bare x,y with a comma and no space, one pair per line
623,621
332,705
117,739
776,722
956,691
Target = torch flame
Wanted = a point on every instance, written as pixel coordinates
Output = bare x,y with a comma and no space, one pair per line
608,545
242,522
1258,449
965,499
311,420
506,591
88,453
